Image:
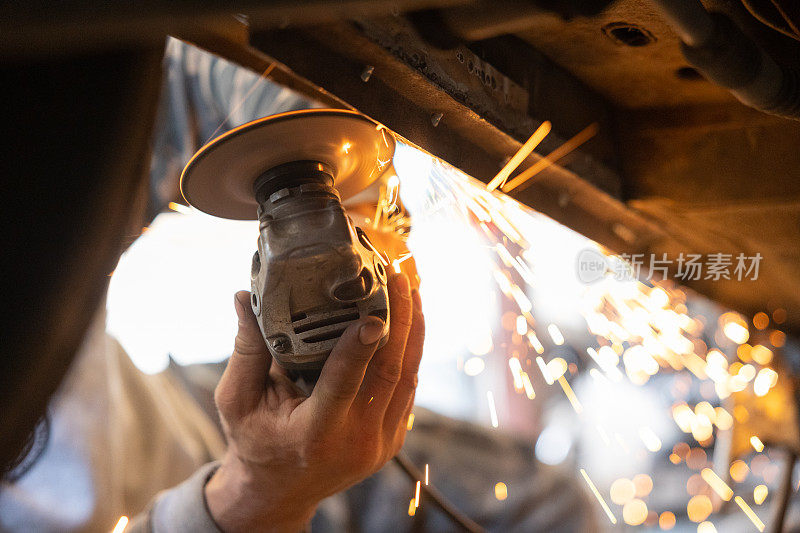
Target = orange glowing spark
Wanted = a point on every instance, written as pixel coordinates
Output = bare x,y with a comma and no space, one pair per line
716,483
412,509
410,423
426,474
757,444
583,136
492,409
545,372
179,208
760,494
599,497
528,386
534,340
524,151
416,495
749,512
570,395
121,524
501,491
516,373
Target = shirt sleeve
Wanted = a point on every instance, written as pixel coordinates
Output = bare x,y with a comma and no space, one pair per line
181,509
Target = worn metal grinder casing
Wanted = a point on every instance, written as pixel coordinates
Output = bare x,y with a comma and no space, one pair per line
314,273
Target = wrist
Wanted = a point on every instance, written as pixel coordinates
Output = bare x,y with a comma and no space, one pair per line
239,501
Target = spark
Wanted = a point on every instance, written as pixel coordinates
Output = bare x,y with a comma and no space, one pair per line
530,145
622,491
666,520
606,361
121,524
760,494
739,470
474,366
528,386
410,423
757,444
416,495
492,410
522,325
650,439
545,372
346,147
749,512
256,83
396,262
412,508
516,373
392,191
765,380
582,136
761,320
599,497
426,474
570,395
505,256
699,508
501,491
761,354
534,340
706,527
734,326
716,483
557,367
522,300
555,334
180,208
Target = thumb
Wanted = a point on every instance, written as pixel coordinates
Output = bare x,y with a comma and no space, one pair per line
246,375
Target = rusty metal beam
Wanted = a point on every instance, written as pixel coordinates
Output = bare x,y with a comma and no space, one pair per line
409,102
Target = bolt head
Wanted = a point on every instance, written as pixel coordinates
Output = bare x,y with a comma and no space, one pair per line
280,345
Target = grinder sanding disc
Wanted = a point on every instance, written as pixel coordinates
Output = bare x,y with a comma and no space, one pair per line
219,179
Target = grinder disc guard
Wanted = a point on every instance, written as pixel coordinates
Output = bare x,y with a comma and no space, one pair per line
219,179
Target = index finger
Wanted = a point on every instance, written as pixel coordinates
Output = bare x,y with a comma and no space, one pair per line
344,369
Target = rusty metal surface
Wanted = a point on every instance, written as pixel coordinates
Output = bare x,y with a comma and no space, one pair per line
629,76
412,83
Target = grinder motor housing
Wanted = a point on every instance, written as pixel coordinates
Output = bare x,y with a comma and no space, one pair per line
314,272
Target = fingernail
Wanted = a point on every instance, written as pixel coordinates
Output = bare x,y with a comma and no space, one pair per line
405,286
371,332
237,303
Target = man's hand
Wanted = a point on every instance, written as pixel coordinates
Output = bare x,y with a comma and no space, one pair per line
288,451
